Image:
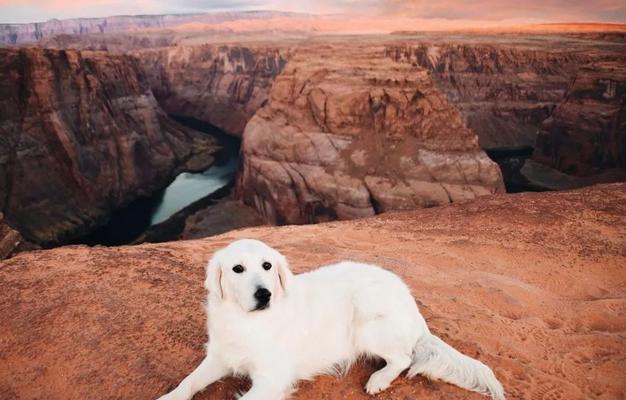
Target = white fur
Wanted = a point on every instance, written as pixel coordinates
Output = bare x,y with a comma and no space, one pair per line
317,322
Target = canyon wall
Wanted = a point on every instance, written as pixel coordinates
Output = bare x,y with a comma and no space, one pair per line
348,133
566,103
504,92
586,133
120,43
222,85
81,135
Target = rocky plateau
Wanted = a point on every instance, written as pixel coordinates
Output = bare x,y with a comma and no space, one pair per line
18,34
532,284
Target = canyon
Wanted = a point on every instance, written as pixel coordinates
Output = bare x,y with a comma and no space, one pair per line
331,127
82,135
586,133
504,92
560,100
220,84
531,284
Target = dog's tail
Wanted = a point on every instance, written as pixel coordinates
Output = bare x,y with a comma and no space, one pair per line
436,359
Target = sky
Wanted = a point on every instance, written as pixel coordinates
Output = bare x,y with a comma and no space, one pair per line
20,11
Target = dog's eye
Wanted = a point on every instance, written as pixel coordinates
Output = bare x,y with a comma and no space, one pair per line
267,266
238,269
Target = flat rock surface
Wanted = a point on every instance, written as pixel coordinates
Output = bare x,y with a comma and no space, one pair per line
534,285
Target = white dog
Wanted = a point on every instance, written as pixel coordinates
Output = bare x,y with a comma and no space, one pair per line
278,328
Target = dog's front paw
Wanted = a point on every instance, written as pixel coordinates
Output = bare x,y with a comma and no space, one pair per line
377,383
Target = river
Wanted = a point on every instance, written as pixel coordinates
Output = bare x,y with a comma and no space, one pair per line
128,224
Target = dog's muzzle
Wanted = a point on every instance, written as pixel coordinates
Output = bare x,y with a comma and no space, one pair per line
262,297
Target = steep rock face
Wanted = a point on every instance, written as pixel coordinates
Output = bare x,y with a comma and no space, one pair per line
516,281
586,133
223,85
80,135
504,92
347,133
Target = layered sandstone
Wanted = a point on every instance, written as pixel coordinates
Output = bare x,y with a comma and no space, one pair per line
504,91
81,135
349,133
566,103
516,281
586,133
220,84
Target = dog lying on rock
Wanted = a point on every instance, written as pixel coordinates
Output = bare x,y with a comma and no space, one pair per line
279,328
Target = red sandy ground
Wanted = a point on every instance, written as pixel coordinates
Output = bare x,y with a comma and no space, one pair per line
534,285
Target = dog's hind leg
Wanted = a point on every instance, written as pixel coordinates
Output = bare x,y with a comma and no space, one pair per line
381,379
379,338
208,371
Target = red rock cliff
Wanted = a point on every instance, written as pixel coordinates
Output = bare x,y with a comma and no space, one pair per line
12,34
222,85
80,135
504,92
586,133
568,102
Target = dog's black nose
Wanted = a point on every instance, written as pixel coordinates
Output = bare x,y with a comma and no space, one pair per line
262,295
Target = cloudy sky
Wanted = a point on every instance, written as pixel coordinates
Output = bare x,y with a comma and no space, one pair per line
14,11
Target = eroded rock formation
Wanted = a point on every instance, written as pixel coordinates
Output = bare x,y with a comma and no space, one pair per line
223,85
81,135
504,92
566,103
348,133
586,133
516,281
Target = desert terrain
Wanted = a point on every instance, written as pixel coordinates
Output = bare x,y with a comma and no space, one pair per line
484,165
531,284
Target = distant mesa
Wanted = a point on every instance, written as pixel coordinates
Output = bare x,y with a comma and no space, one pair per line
277,21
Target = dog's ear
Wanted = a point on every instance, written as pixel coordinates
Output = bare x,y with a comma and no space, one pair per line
213,282
284,273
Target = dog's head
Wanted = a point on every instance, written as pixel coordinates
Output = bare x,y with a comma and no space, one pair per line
249,273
